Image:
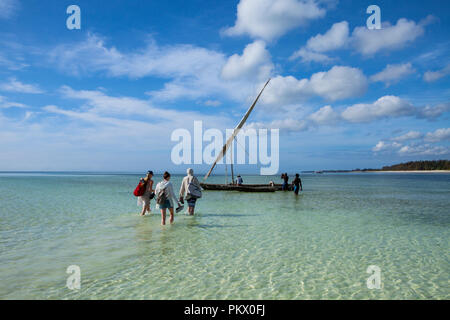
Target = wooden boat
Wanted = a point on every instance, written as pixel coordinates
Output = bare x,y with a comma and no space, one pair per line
244,187
234,187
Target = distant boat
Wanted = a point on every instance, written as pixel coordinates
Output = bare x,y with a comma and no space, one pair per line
232,186
318,172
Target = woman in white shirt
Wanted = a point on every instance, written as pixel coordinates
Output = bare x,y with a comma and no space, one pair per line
165,196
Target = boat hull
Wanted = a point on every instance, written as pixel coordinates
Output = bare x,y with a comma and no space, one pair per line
242,188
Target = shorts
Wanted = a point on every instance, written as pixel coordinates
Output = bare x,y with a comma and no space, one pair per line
166,205
296,189
191,202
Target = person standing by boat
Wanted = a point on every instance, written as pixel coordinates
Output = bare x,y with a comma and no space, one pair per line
144,200
285,184
191,190
297,184
164,198
239,181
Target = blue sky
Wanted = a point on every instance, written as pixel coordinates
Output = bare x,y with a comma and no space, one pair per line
107,97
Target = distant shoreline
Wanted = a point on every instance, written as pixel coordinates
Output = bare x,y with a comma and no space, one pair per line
410,171
376,171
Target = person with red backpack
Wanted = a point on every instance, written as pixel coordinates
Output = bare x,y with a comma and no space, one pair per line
144,191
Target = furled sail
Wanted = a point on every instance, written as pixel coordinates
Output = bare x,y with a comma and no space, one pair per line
236,130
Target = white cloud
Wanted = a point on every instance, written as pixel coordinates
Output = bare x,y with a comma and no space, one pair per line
325,115
384,107
433,112
390,37
419,147
310,56
393,73
337,83
8,8
254,63
194,72
212,103
335,38
424,150
289,125
411,135
5,104
93,55
16,86
383,146
97,103
431,76
438,135
366,42
404,150
270,19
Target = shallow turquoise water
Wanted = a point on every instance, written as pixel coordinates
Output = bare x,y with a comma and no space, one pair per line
238,246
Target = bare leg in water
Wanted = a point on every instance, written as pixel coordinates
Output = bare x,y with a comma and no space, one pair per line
171,215
163,216
145,208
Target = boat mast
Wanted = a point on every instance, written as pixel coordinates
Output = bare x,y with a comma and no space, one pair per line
235,132
226,173
232,172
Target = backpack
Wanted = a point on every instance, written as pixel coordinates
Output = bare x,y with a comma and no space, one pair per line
161,197
194,191
140,189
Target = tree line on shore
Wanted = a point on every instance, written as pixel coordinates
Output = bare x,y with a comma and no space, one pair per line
419,165
407,166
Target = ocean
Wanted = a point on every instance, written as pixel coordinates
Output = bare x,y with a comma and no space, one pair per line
318,245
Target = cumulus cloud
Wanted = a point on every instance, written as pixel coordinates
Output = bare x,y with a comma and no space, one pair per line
431,76
270,19
311,56
393,73
424,150
325,115
391,107
390,37
335,38
433,112
339,82
411,135
194,72
385,146
254,63
438,135
384,107
13,85
415,149
419,147
366,42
